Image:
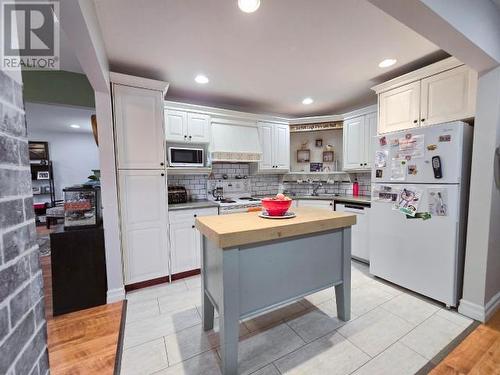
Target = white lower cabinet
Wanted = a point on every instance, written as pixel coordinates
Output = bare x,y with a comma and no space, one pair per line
360,246
185,239
319,203
143,224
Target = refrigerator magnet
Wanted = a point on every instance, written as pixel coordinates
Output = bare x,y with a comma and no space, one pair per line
431,147
382,141
412,169
445,138
378,173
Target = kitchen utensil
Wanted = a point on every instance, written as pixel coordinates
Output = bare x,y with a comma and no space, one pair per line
287,215
275,207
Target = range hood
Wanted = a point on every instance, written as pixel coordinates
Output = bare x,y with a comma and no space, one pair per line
234,142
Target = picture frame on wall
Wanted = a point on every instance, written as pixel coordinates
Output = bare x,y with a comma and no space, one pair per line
319,142
303,156
328,156
38,150
43,175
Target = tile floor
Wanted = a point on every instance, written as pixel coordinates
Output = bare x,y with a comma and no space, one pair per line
391,331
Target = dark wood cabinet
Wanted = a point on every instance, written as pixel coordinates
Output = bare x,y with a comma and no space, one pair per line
78,269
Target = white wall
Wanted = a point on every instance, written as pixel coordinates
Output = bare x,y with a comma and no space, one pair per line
329,137
481,291
73,155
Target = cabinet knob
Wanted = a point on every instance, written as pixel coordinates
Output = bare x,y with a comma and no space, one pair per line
192,226
195,215
163,174
162,164
361,164
185,136
415,121
423,120
190,137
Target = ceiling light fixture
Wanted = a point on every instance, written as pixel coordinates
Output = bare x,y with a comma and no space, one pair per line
201,79
75,126
307,101
249,6
387,63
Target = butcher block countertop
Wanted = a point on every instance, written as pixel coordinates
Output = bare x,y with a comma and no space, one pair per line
234,230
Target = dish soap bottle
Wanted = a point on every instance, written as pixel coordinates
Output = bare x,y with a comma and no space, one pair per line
355,188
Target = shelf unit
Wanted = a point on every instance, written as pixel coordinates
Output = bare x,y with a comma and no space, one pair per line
44,167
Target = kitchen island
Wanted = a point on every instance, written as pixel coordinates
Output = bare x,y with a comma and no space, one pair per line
251,265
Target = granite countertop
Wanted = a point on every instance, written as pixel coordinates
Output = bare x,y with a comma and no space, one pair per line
228,231
202,203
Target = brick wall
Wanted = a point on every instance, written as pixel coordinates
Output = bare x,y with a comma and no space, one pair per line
23,338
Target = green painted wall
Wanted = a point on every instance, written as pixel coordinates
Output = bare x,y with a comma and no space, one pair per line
58,87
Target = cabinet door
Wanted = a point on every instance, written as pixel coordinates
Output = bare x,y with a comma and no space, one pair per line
198,127
176,126
281,145
143,210
185,252
266,144
399,108
448,96
139,130
370,132
354,151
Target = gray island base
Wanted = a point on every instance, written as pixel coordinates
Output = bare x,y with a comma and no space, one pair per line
247,279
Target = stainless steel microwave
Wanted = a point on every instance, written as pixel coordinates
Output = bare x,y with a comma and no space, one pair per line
185,157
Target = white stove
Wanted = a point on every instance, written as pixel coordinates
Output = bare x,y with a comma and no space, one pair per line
236,195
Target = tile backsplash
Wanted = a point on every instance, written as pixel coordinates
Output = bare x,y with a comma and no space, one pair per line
196,185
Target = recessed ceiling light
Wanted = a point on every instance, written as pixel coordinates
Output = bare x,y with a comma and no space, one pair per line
387,63
75,126
249,6
201,79
307,101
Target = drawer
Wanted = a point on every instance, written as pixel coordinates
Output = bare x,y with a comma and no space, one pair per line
190,215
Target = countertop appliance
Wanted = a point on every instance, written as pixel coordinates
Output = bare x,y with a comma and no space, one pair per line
237,195
418,215
177,194
186,157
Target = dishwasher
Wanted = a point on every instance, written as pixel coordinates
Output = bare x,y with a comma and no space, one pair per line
360,249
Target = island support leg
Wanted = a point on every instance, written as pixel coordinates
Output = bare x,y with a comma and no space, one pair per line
343,291
229,312
207,306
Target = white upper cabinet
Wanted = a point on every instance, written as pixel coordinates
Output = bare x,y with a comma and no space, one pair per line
266,144
144,224
175,125
275,146
198,126
358,135
281,147
139,134
187,127
399,108
441,92
448,96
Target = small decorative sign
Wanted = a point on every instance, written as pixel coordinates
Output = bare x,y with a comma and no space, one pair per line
316,167
303,156
445,138
43,175
319,142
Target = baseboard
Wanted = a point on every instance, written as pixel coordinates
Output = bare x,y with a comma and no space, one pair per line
115,295
478,312
492,305
472,310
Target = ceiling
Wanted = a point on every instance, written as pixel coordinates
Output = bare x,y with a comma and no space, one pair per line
55,118
267,61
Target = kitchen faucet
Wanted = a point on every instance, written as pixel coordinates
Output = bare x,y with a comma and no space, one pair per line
315,189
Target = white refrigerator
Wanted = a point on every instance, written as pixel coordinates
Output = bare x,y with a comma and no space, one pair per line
418,216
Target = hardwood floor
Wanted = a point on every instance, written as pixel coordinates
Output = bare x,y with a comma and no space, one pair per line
478,354
85,342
